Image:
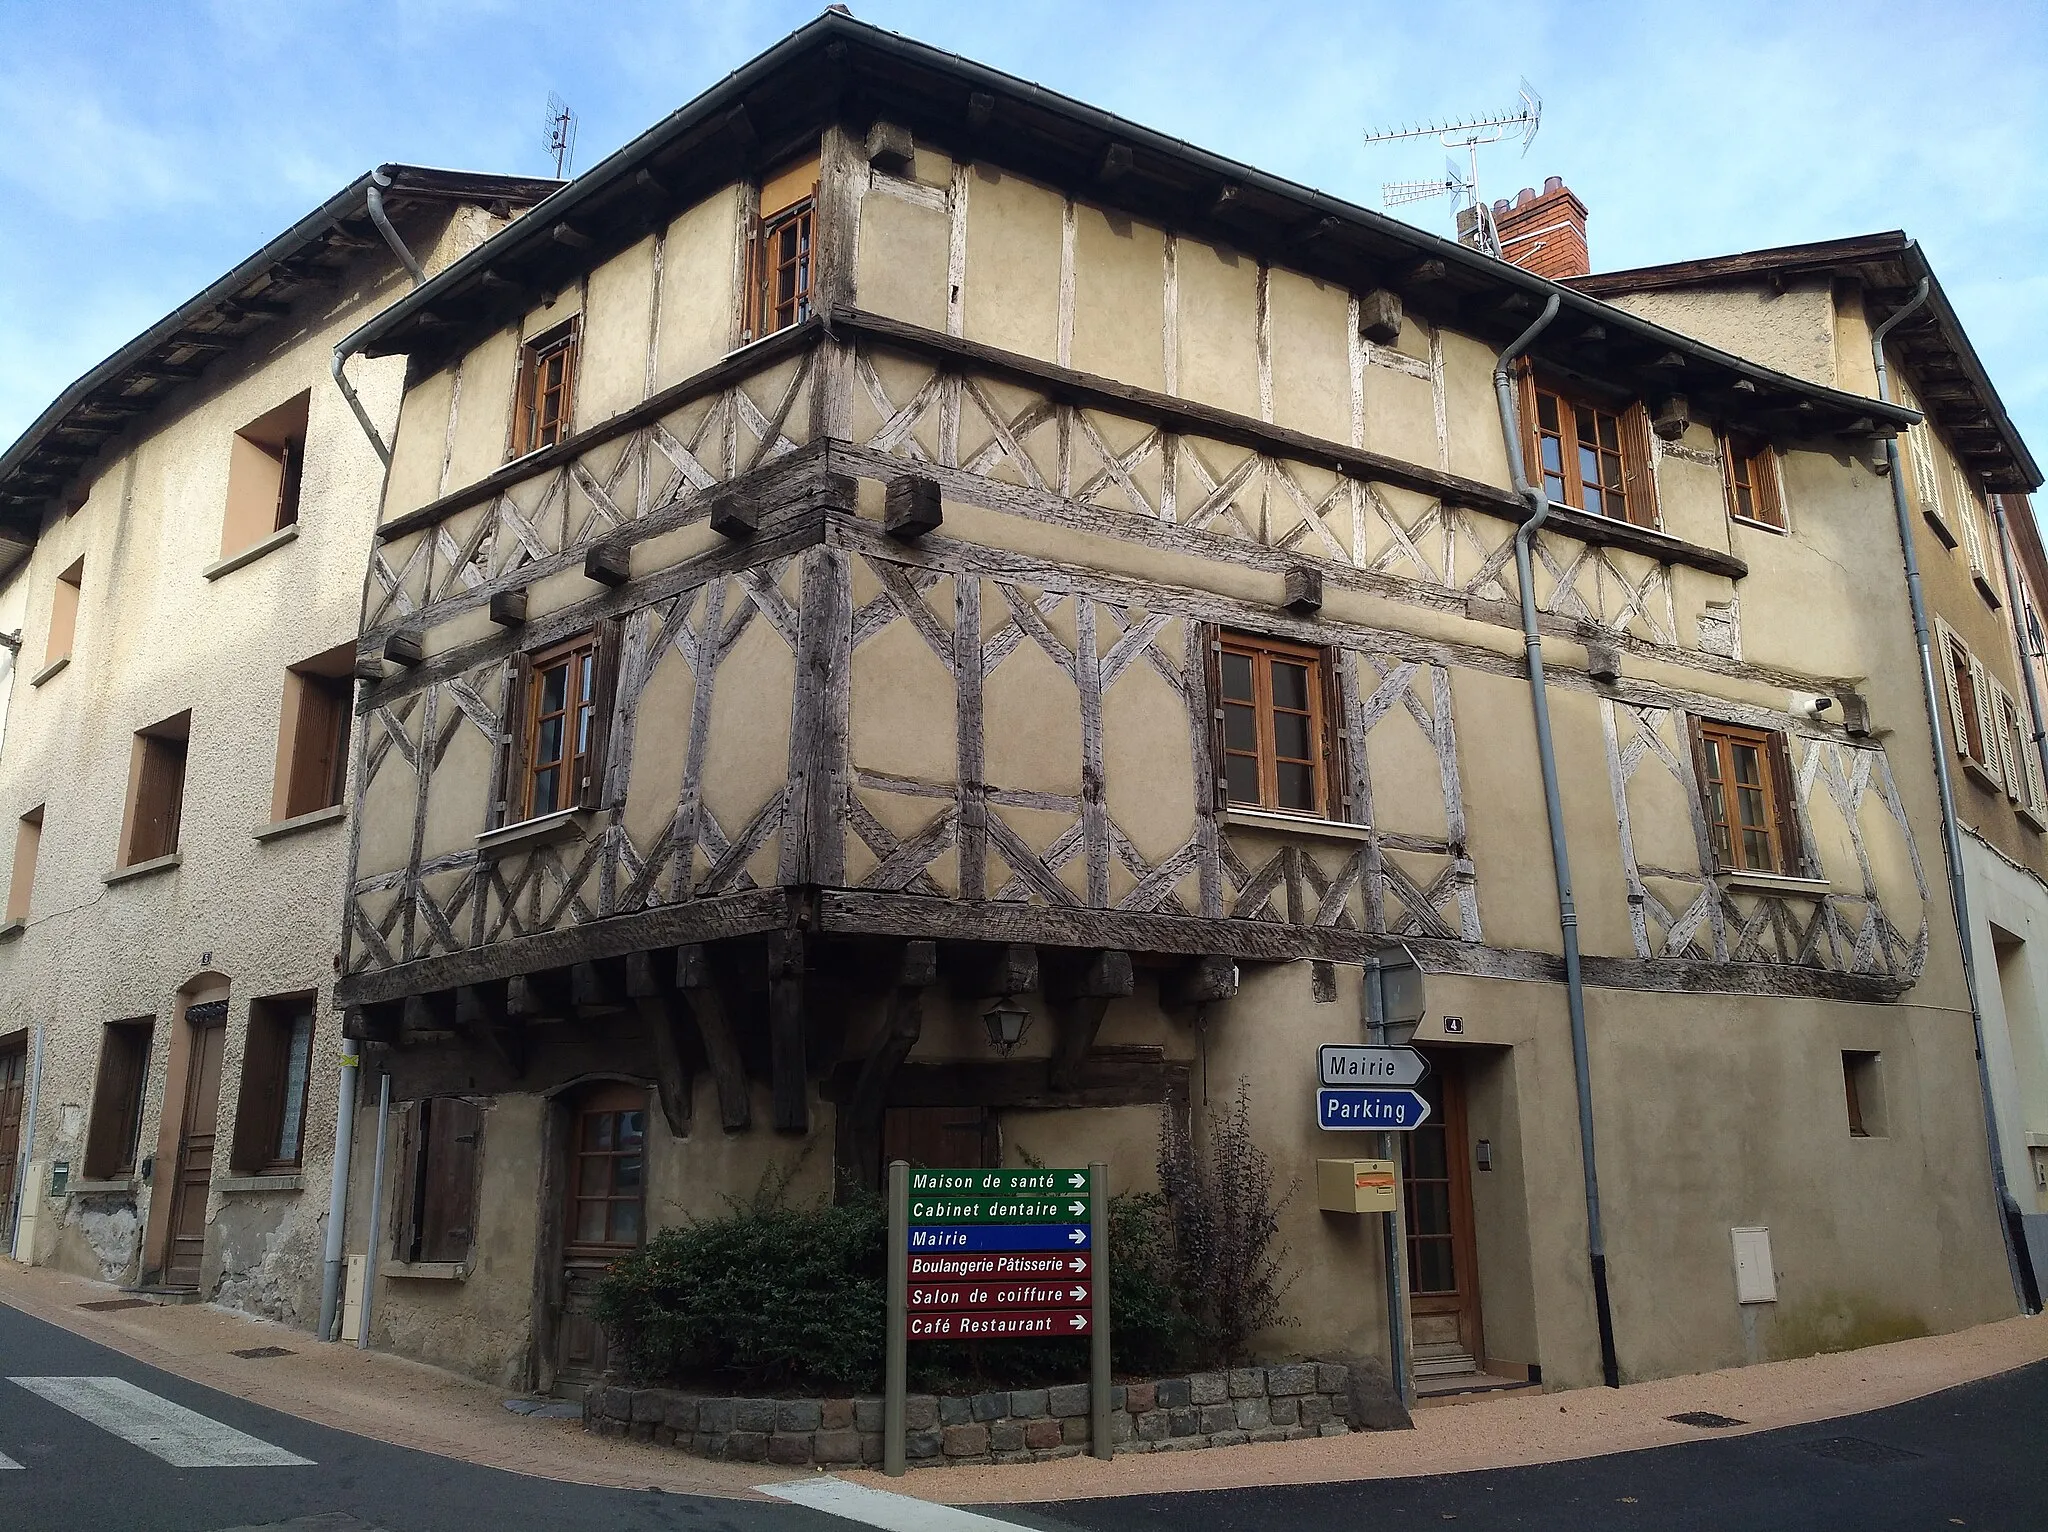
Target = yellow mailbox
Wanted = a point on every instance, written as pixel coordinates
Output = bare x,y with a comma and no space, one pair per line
1355,1186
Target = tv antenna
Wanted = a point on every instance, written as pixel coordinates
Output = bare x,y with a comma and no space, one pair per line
1469,134
559,128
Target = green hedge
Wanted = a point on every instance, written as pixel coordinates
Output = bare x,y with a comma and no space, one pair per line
770,1295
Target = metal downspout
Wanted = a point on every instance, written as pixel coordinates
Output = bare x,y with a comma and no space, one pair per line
1560,855
28,1148
375,198
2016,1261
334,1262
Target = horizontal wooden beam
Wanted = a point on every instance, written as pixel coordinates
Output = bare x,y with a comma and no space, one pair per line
1107,1077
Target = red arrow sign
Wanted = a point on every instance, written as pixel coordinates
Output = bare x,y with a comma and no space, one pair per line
928,1296
1012,1266
1049,1324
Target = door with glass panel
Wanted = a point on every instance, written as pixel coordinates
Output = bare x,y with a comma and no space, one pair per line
1443,1266
604,1206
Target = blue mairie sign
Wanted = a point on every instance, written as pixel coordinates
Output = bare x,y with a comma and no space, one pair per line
1375,1109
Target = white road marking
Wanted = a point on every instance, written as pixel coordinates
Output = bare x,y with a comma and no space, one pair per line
878,1508
7,1462
181,1437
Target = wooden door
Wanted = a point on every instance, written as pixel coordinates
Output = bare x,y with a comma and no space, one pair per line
939,1137
13,1066
604,1205
1443,1265
193,1178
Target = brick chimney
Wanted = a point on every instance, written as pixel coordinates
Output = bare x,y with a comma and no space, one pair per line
1545,234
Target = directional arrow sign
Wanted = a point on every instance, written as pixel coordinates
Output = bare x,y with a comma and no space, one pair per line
928,1297
1005,1209
1351,1064
1043,1265
1371,1109
980,1237
988,1183
1050,1322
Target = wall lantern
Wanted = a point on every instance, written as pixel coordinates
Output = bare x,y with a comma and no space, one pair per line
1007,1022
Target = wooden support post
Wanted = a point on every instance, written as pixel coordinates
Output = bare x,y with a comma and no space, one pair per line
483,1015
735,514
406,648
990,973
608,564
508,608
1205,980
1116,164
861,1115
538,996
1380,316
598,986
1082,996
910,507
371,1023
663,1017
1302,592
787,1071
707,1008
1673,416
890,149
429,1013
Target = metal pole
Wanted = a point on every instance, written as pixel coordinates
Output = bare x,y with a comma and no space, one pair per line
28,1147
376,1213
893,1343
1390,1241
334,1262
1098,1302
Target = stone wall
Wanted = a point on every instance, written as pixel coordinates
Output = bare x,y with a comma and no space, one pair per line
1206,1409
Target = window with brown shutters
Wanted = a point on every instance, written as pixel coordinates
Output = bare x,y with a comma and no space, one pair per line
1749,478
555,748
1273,706
1589,455
28,847
1973,722
277,1067
1747,793
440,1147
544,394
781,250
156,790
313,733
117,1097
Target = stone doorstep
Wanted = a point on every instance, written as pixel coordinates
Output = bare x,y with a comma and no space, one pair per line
1285,1402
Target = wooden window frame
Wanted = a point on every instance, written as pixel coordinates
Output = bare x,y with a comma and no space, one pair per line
1749,463
314,730
1636,458
617,1100
66,592
1326,760
28,848
768,311
1713,746
1973,717
518,769
1863,1092
120,1090
439,1201
156,790
528,432
265,1107
1920,459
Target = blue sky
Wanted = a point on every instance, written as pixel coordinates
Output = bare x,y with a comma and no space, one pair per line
152,146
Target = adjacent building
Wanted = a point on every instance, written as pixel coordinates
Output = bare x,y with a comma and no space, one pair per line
1966,473
894,552
188,524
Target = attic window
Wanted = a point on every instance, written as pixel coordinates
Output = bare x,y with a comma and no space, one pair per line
544,400
1591,456
780,262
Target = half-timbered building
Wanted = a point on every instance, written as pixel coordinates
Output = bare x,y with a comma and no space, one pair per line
894,552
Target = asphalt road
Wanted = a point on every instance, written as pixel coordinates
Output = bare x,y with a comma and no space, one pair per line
1976,1456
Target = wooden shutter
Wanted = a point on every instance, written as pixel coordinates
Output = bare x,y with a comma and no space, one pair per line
1639,466
1944,640
262,1094
1785,798
159,798
1987,721
1525,403
1710,857
113,1101
522,415
447,1216
604,696
2031,756
1212,677
1967,511
1336,744
511,803
405,1200
316,771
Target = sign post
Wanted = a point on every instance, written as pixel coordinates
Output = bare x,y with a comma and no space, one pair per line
994,1254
